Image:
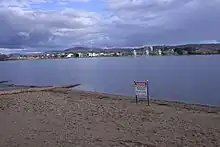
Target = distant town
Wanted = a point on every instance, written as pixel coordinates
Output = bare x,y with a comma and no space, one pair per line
83,52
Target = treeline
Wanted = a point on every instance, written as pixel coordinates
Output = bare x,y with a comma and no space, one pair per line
193,51
185,50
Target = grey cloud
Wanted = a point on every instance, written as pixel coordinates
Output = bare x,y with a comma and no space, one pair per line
20,28
167,21
125,23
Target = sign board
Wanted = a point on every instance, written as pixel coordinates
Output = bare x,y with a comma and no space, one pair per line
141,90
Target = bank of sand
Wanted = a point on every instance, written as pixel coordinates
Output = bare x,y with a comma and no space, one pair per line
59,117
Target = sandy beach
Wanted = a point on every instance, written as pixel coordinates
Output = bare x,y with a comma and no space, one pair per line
41,117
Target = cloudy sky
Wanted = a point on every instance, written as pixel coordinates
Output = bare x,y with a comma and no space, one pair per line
40,25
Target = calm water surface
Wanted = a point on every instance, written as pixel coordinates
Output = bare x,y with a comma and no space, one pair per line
194,79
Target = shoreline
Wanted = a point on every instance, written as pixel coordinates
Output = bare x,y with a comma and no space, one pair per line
27,89
109,57
59,116
190,106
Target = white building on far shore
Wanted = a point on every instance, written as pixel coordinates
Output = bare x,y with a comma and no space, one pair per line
79,54
147,52
92,54
159,52
134,52
151,48
69,55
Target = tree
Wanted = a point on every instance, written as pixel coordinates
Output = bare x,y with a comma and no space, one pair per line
190,50
3,57
179,51
165,49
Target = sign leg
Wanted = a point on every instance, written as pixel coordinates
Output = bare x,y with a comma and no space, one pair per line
148,94
136,99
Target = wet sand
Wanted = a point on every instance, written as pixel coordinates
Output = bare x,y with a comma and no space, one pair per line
60,117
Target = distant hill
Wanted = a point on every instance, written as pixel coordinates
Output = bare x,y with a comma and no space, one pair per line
129,49
203,46
215,46
15,54
87,49
78,49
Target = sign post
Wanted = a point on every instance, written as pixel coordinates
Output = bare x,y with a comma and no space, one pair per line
142,90
148,94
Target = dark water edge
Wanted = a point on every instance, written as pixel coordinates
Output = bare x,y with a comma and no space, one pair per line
11,87
8,87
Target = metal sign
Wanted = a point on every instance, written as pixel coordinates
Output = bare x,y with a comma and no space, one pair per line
141,90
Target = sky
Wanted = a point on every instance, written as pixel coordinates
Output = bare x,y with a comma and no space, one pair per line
42,25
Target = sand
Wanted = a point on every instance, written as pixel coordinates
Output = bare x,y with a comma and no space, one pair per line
63,118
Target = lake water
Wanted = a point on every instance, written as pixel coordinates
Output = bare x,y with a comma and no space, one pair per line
194,79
